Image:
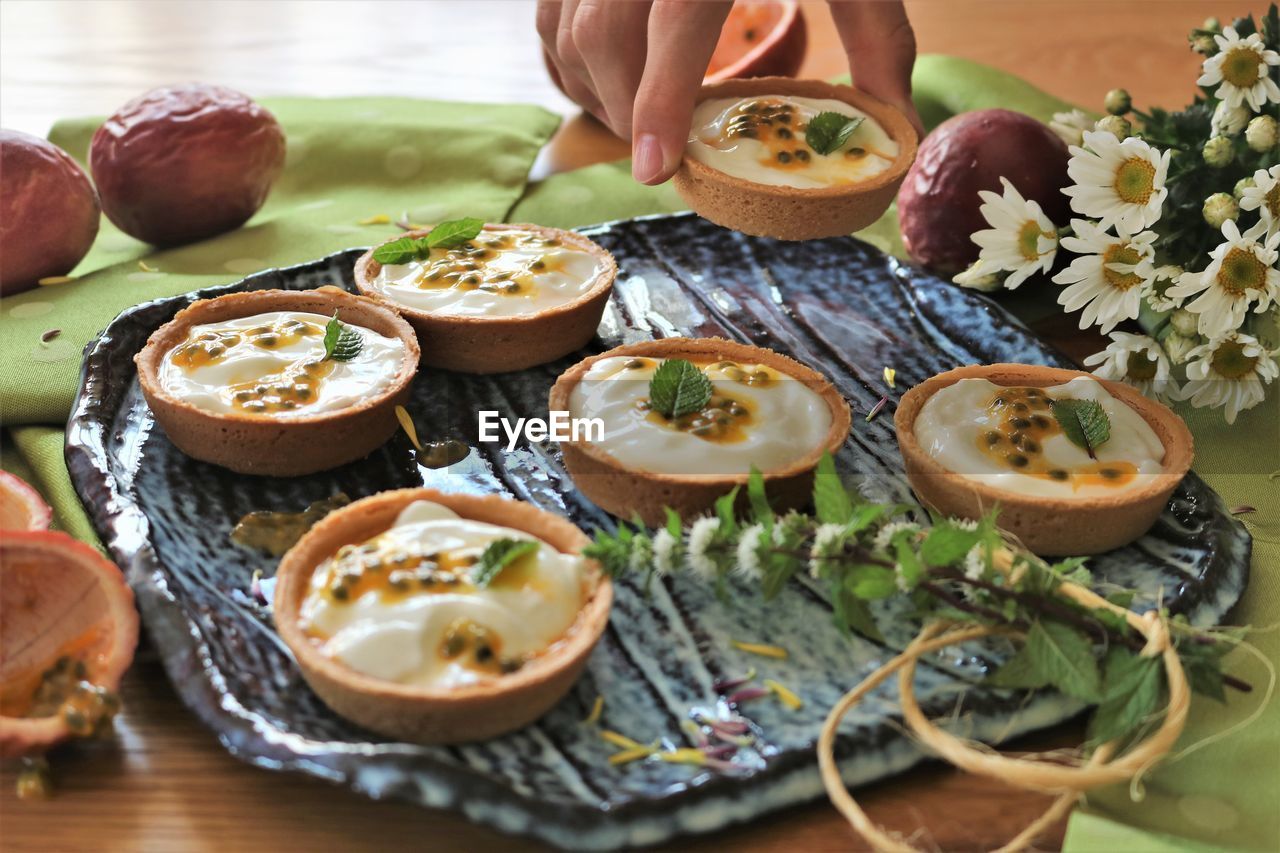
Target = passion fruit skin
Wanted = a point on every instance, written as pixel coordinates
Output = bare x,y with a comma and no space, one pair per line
183,163
938,203
48,211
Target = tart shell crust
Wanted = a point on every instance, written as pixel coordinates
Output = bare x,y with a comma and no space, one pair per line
1051,527
282,447
790,213
501,344
628,492
438,715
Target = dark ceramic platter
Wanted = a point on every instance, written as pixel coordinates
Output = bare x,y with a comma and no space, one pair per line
837,305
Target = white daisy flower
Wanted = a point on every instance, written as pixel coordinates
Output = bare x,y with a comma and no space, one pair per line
1156,291
1241,274
823,538
1264,197
1239,70
974,279
1232,372
884,536
1117,181
1070,126
701,535
1178,346
1109,274
664,550
1021,240
749,542
1137,360
1229,120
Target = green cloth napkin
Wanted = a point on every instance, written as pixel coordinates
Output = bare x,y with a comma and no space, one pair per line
435,160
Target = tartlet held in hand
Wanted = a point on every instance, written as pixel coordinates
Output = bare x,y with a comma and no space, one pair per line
512,297
1076,464
793,159
269,382
758,409
400,622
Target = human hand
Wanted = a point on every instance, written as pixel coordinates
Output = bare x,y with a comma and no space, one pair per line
637,65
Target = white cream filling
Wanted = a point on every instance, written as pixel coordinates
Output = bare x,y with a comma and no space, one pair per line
756,159
952,421
399,638
212,386
788,421
566,273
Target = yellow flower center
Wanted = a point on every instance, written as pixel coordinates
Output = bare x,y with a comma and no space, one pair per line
1120,253
1241,67
1140,366
1029,239
1272,199
1242,271
1135,181
1229,360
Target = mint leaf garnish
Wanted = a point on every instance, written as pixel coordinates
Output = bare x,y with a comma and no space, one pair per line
497,555
341,342
1131,694
446,235
828,131
1064,656
1084,423
678,388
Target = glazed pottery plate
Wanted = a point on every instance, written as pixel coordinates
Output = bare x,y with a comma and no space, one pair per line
837,305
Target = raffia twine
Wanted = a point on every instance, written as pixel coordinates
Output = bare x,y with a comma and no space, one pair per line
1067,781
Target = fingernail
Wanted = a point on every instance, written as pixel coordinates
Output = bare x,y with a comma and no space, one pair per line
646,159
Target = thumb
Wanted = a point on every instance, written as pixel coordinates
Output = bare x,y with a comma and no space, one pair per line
682,37
881,46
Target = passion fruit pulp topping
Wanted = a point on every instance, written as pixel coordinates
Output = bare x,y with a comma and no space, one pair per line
66,690
726,416
775,125
1017,442
467,267
476,648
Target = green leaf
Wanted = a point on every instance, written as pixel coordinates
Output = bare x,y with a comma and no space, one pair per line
401,251
1084,423
759,501
341,342
947,543
908,561
830,499
678,388
828,131
724,511
1065,656
1131,694
1022,671
454,233
850,612
497,555
872,583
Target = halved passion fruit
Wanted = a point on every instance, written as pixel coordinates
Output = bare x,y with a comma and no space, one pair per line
760,38
68,630
21,507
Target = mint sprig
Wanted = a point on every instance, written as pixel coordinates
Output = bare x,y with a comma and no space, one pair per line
1084,423
341,342
678,388
828,132
446,235
498,555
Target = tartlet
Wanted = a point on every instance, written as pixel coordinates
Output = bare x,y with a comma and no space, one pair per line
630,492
497,344
278,446
1049,526
455,714
789,213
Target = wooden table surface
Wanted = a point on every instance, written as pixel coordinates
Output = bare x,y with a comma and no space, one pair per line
164,783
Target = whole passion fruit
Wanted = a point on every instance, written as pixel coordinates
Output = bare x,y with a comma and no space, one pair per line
48,211
938,204
182,163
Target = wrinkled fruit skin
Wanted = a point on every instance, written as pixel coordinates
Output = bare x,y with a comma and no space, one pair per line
938,204
182,163
48,211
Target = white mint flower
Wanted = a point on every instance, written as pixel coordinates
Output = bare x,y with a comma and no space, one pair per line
1264,197
1117,181
1137,360
1070,126
884,536
825,536
1241,274
1021,240
1231,372
1239,70
975,563
964,523
1156,291
641,554
664,549
701,535
1109,275
748,553
1229,120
